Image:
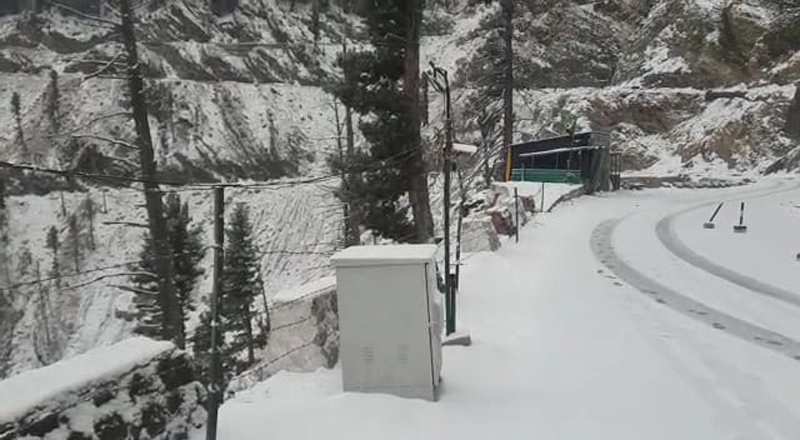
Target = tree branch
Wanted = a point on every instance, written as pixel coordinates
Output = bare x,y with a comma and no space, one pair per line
100,278
131,224
87,16
90,122
124,161
104,68
134,290
116,142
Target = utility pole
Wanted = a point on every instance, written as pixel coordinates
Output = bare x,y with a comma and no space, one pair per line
450,297
508,72
214,392
167,296
516,210
343,175
462,212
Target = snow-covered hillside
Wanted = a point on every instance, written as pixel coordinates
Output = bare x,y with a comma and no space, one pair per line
245,97
681,85
296,229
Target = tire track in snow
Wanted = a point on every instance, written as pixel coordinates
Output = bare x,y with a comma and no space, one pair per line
603,249
666,234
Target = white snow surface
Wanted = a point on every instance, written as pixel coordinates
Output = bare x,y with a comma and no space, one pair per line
312,288
27,390
561,349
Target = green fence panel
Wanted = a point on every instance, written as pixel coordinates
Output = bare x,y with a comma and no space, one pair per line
545,175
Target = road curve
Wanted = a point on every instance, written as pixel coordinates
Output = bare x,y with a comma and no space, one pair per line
666,234
602,247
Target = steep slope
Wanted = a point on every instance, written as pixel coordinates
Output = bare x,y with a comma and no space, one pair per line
683,86
238,96
296,228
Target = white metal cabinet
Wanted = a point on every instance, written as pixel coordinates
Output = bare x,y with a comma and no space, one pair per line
390,319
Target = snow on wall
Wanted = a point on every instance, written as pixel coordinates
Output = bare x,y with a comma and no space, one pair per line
132,387
20,393
304,335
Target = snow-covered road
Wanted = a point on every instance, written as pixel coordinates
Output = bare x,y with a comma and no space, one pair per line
565,349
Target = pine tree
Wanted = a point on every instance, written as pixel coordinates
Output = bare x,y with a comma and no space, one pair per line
187,248
73,243
187,251
201,347
16,109
240,283
792,126
384,84
53,111
492,72
2,194
5,241
25,261
90,211
52,243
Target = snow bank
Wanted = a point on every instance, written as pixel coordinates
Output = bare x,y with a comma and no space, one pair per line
138,388
314,288
30,389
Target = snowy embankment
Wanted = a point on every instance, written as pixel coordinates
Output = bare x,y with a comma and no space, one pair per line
34,388
132,387
562,349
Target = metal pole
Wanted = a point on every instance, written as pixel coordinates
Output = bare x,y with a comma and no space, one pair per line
741,215
516,210
214,391
459,225
448,151
541,209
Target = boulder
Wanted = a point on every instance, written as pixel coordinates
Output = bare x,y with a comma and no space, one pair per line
479,235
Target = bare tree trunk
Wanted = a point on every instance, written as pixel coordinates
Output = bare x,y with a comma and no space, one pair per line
315,22
508,73
268,323
43,307
343,174
418,191
248,325
353,213
173,329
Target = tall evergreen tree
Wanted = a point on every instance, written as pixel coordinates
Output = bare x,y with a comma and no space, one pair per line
240,283
16,109
201,347
73,244
383,85
492,72
52,243
187,251
89,212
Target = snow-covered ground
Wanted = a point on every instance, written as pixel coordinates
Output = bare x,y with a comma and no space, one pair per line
28,390
564,349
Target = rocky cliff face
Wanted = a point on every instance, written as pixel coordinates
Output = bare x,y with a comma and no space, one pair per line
684,86
243,95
